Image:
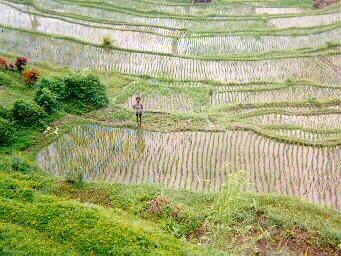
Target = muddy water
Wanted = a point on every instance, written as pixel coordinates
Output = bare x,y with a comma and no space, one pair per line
197,161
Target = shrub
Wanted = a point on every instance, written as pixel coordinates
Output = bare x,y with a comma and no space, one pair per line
85,90
6,132
4,113
312,100
107,41
3,63
30,76
54,84
289,82
29,114
333,43
79,92
20,62
46,99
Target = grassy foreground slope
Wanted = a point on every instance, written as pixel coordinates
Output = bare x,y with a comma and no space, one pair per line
64,227
40,214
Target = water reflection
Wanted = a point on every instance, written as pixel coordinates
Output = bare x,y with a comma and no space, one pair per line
197,161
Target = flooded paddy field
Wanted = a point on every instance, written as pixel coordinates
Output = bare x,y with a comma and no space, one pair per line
68,53
197,160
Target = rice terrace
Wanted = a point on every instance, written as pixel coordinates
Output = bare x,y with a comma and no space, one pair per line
237,150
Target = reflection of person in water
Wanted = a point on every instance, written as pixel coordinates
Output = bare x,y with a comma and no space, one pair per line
140,144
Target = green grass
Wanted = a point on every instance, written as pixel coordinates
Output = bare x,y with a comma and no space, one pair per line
12,88
19,240
97,219
83,229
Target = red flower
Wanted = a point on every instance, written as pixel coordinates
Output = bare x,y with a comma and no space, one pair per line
21,61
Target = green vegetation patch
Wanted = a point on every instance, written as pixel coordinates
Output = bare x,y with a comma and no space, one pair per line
84,228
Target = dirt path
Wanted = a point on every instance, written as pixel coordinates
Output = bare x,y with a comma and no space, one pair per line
212,125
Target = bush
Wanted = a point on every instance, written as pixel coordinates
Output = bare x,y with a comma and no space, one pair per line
46,99
3,63
333,43
107,41
30,76
85,90
4,113
6,132
29,114
54,84
82,91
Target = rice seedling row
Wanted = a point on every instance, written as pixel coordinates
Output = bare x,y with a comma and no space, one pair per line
306,21
247,112
182,21
172,103
167,22
183,3
124,39
150,42
176,84
197,160
96,22
65,52
223,45
277,10
157,29
306,135
318,121
335,60
139,8
291,93
193,10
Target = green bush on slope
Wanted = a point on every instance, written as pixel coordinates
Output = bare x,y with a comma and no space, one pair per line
47,99
78,91
28,114
4,113
6,131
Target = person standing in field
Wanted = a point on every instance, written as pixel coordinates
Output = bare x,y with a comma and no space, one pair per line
139,111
